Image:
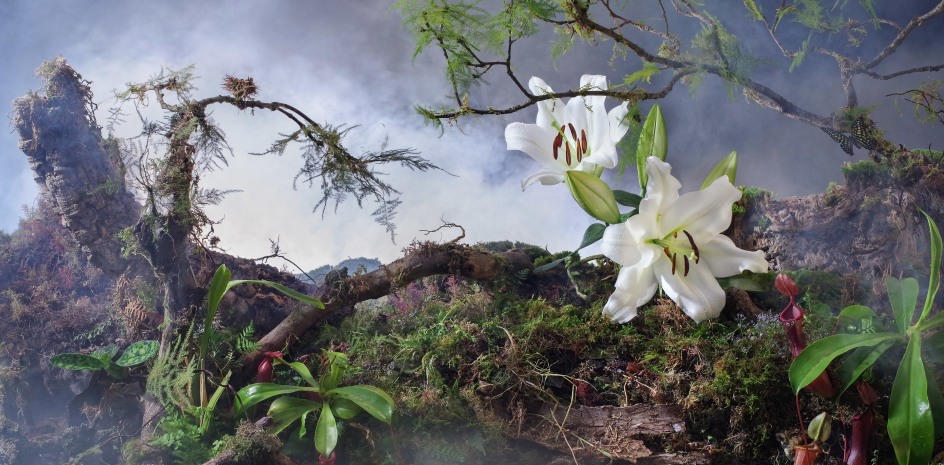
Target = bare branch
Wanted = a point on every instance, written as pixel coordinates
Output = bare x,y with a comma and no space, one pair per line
903,34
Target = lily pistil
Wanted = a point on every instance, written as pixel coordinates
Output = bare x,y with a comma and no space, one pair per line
673,249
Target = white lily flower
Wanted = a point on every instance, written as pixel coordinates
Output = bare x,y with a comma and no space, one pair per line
675,242
580,135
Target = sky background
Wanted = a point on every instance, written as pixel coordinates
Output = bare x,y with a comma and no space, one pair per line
351,63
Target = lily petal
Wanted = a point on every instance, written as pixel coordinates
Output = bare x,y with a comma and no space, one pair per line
617,128
726,259
619,245
662,188
635,286
698,293
532,140
703,213
546,177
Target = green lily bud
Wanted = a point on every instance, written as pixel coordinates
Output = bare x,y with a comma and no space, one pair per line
593,195
727,167
653,142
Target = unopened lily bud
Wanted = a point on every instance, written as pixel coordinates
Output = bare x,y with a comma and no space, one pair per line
593,195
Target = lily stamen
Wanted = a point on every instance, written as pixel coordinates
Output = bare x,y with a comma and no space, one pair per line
691,241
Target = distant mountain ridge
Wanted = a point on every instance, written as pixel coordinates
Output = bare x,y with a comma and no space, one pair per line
353,265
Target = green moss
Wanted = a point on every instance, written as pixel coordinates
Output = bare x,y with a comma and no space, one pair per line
833,195
865,171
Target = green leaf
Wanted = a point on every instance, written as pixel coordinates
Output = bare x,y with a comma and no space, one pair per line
934,283
726,167
746,280
934,347
814,359
286,410
326,432
753,10
254,393
858,312
337,363
106,354
820,428
936,399
626,199
910,426
372,399
302,371
859,361
653,142
207,413
138,353
77,362
344,409
903,294
648,70
593,195
285,290
593,233
549,265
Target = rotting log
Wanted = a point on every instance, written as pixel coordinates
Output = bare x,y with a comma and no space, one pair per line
622,433
423,260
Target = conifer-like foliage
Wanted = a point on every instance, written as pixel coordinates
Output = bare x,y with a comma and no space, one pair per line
171,184
678,41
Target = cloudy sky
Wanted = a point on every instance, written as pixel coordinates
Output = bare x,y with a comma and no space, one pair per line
350,63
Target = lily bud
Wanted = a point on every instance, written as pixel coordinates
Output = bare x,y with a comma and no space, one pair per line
593,195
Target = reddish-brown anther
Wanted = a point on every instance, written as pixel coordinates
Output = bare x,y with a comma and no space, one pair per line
786,286
264,372
858,451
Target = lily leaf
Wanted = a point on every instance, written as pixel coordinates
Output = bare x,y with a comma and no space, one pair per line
326,432
372,399
286,410
627,199
728,166
814,359
859,361
653,142
254,393
934,283
910,426
593,233
903,294
550,265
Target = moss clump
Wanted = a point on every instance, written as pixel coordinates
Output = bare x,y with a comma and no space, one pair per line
833,195
250,443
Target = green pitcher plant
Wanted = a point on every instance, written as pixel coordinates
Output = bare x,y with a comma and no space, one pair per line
916,407
325,396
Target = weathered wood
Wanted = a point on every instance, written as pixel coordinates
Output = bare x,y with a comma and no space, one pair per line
589,433
426,259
